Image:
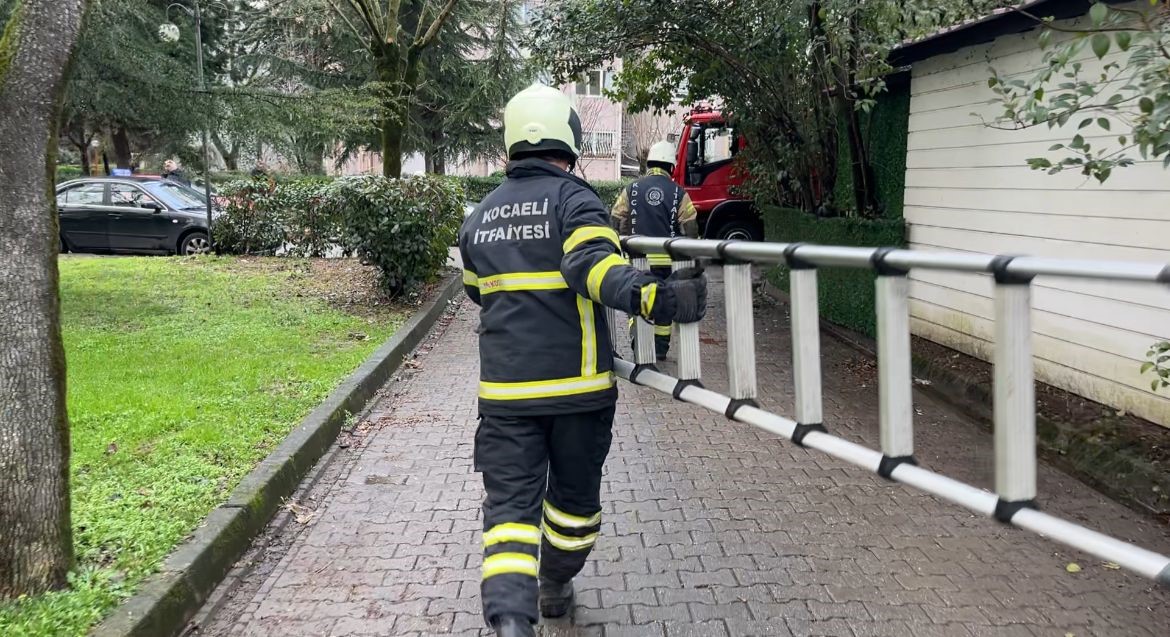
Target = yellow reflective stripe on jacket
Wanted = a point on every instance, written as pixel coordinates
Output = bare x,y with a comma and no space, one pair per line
502,563
546,388
520,281
662,330
512,532
569,521
597,274
470,278
586,233
588,337
649,293
659,259
567,543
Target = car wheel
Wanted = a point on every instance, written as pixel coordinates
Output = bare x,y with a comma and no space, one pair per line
195,243
737,230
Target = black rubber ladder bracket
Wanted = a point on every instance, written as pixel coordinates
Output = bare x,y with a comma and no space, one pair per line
674,256
882,267
631,252
683,384
803,430
794,262
999,268
888,464
1004,509
721,250
736,404
638,369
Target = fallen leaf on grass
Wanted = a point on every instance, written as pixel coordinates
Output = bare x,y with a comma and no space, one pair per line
1073,567
301,513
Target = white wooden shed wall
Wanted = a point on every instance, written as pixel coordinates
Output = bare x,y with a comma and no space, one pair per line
968,189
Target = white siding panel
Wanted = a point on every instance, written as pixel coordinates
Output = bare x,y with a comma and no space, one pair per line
998,155
1004,242
1138,233
968,132
1143,176
1059,327
1094,310
1149,295
1140,402
1148,204
969,189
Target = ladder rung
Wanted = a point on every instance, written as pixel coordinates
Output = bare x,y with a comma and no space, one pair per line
741,333
895,378
1015,400
643,329
687,339
806,345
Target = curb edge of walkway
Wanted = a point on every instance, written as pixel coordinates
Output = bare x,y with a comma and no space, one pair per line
1068,450
168,599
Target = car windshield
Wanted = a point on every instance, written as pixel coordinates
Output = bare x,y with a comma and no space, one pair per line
175,196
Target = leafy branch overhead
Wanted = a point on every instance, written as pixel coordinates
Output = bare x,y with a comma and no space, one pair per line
798,77
1107,73
1159,364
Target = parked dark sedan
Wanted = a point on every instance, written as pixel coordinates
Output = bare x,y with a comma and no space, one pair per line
145,215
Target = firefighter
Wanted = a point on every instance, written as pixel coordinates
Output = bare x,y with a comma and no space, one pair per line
541,260
655,206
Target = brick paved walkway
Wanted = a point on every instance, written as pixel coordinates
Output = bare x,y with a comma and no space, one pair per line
710,527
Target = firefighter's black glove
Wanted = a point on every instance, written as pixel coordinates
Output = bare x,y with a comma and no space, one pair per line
682,298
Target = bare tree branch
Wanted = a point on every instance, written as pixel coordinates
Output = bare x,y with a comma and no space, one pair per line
365,10
344,18
433,31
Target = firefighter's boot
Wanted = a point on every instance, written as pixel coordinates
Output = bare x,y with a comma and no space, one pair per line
513,626
556,598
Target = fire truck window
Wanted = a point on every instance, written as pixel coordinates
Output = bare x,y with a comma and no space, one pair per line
718,145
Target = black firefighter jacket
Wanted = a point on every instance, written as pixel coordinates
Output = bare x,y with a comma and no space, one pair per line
541,259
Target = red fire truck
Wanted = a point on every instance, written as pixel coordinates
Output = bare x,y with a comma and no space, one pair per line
705,166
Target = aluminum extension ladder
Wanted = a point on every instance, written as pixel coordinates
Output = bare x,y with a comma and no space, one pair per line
1014,500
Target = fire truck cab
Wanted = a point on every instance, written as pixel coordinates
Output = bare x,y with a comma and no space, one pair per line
705,166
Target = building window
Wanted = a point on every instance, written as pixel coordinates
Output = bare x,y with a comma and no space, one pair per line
597,144
592,82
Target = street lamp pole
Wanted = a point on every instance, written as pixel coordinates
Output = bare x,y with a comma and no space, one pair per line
206,123
172,34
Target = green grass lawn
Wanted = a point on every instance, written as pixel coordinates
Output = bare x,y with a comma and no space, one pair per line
182,375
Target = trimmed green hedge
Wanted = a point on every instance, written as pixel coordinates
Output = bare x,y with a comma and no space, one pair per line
846,294
478,187
886,129
65,172
225,176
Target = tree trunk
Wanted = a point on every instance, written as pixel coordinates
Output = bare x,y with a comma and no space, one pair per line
85,166
36,543
121,142
392,132
229,152
438,159
864,193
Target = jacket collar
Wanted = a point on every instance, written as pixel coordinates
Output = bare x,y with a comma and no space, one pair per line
653,172
532,167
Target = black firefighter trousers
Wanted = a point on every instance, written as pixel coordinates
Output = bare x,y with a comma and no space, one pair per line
542,512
